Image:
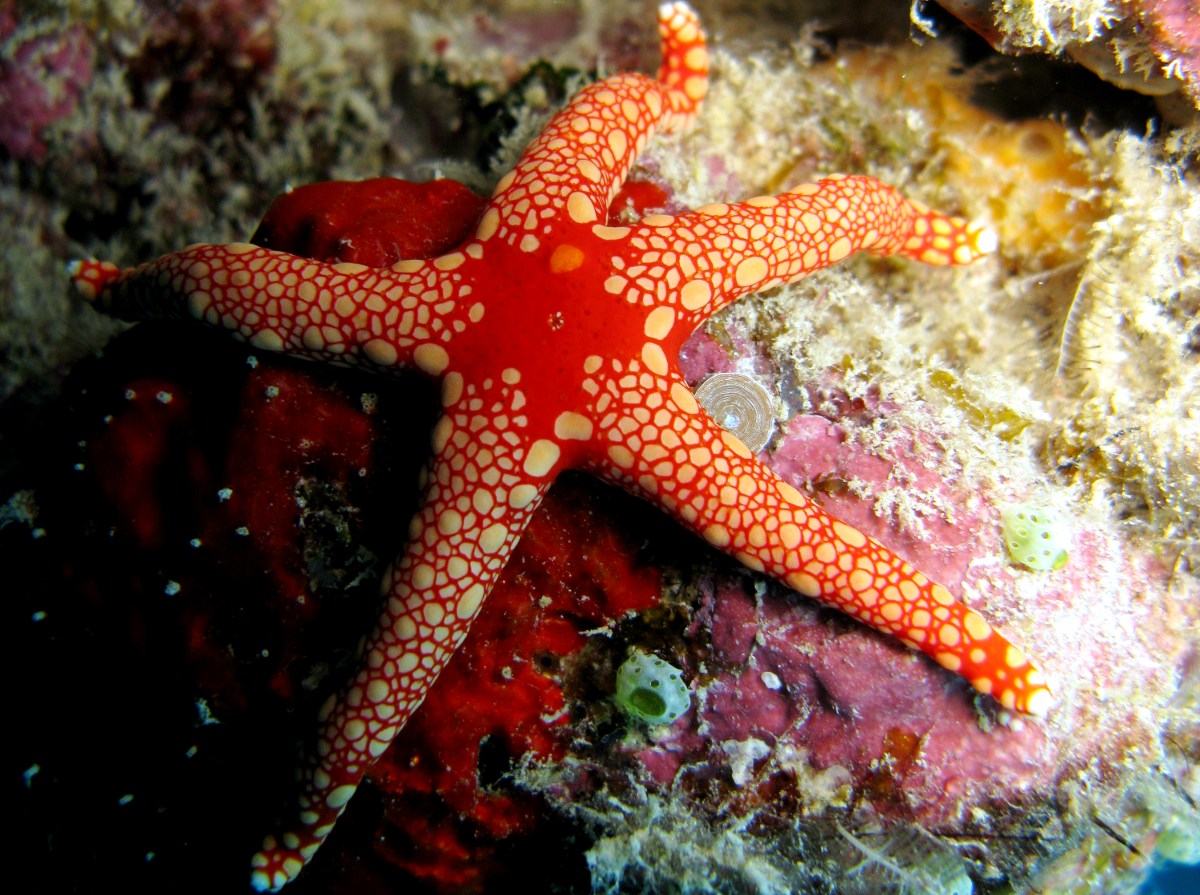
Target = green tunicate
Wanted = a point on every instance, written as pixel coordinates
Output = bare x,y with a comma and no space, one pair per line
1036,538
651,690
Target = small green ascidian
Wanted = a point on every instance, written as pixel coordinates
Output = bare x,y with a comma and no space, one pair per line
651,690
1036,538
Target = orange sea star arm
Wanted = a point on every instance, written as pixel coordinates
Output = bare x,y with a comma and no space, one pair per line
345,314
708,480
478,499
722,252
581,158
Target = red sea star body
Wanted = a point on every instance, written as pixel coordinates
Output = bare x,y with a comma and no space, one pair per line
554,338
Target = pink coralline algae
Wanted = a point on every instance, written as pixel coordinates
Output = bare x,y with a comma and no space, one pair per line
211,53
41,78
1175,28
207,53
817,450
785,678
800,715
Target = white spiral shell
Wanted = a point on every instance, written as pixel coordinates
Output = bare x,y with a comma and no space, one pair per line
739,404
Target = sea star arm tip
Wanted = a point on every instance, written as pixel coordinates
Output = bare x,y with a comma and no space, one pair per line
772,240
345,314
941,239
268,872
983,240
684,68
91,278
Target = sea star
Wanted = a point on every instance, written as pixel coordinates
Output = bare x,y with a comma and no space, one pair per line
554,338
